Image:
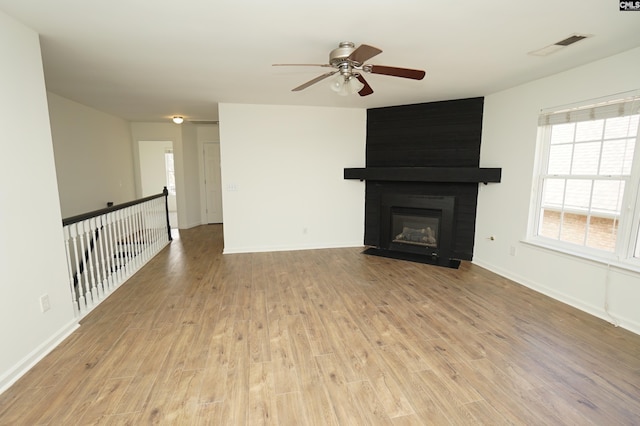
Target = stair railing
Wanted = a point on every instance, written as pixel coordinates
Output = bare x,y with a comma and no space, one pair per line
105,247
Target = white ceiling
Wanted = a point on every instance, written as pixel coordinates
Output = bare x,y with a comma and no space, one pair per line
147,60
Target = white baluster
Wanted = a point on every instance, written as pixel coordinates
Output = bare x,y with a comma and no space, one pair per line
123,243
153,225
100,222
144,235
78,252
74,294
115,231
83,287
135,235
95,257
144,238
109,252
117,241
88,268
160,222
126,241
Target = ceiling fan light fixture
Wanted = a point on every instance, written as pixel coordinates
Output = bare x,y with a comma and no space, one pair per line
345,85
337,83
353,85
177,119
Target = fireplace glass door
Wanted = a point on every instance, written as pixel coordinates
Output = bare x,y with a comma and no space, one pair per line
415,227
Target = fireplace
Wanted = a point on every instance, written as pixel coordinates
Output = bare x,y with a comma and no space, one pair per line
417,227
422,174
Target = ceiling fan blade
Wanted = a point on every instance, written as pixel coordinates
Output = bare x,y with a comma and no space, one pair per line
398,72
366,90
363,53
300,65
314,81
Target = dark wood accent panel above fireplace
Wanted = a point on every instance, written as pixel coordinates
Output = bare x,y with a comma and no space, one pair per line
435,134
430,149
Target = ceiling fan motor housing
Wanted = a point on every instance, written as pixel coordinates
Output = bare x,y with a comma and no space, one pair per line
341,54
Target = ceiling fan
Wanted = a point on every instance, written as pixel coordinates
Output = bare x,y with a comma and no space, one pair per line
349,63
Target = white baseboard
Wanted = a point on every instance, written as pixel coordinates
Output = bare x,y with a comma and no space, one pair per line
21,368
569,300
188,225
236,250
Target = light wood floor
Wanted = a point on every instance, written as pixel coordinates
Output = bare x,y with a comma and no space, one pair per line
328,337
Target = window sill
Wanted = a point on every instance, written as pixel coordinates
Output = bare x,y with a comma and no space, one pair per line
632,266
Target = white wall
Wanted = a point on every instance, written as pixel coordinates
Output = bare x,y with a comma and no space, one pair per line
93,154
509,141
32,258
185,155
153,169
282,177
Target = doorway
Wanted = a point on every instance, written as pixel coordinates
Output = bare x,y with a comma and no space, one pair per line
157,171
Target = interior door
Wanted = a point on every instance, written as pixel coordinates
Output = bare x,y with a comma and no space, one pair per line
212,182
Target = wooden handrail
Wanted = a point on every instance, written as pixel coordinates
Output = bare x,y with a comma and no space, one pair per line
89,215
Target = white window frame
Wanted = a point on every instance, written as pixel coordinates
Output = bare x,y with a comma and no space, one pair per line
627,250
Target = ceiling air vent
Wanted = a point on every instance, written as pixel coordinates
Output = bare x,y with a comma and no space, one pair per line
203,121
559,45
570,40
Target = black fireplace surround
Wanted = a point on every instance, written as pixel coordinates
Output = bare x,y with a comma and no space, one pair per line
419,225
422,171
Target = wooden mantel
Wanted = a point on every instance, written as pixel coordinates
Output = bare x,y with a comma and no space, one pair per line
425,174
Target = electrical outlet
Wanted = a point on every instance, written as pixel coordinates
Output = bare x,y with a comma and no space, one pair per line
512,250
45,304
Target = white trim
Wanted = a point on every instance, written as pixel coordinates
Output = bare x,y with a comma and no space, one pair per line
596,311
629,207
35,356
239,250
579,252
190,225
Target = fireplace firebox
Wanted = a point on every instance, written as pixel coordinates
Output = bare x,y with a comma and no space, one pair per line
417,227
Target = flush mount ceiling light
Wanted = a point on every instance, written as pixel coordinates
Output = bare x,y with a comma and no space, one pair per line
177,119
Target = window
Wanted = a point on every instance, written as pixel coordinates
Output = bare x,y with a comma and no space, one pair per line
587,199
